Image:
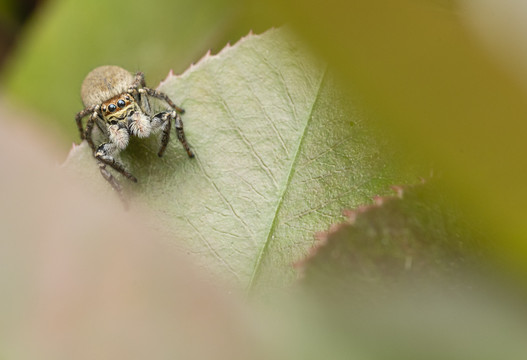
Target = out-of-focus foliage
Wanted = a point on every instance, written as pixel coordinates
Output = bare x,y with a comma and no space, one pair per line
8,14
415,236
83,279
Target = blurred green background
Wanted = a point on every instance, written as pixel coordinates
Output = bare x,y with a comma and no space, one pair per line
417,65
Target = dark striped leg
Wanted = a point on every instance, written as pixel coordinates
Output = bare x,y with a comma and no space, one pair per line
89,130
104,154
78,119
113,182
109,177
165,136
139,80
181,135
162,96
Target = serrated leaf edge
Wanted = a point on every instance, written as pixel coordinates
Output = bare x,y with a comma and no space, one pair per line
322,237
211,57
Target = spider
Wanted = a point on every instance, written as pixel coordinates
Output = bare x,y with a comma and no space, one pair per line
118,103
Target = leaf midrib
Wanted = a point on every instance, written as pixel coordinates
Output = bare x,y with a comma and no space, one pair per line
272,227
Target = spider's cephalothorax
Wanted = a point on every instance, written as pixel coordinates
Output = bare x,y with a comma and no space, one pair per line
118,103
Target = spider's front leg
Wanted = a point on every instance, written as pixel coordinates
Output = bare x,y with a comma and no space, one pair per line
104,155
139,80
113,182
163,120
181,134
139,85
89,130
80,115
162,96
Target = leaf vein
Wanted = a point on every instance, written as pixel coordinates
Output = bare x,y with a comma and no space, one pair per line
212,250
224,199
288,181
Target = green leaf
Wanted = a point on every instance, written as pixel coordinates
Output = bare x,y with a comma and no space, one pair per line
407,278
279,153
417,235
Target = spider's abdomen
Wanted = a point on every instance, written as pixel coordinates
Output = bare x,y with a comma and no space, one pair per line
104,83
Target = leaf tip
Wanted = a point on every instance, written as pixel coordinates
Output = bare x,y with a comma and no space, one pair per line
399,190
351,215
378,200
168,77
321,240
322,237
209,56
74,149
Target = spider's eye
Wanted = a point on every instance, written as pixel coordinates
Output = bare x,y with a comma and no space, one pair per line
112,107
121,103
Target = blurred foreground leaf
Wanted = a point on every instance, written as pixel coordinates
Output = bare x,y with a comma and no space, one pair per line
85,281
402,280
279,153
417,235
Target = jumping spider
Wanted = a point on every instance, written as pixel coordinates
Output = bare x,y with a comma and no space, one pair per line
118,103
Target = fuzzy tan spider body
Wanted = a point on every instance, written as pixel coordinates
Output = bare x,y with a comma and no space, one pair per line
118,103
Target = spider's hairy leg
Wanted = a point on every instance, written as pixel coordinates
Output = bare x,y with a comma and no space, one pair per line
89,130
163,120
113,182
181,134
139,80
162,96
80,115
141,98
105,154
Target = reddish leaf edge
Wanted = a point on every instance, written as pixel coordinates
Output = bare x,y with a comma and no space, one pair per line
351,215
